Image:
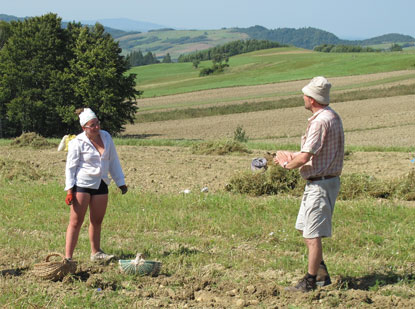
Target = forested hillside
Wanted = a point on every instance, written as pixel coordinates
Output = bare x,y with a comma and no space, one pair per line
312,37
303,37
180,42
388,38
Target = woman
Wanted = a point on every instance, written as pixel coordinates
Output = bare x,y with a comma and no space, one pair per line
91,155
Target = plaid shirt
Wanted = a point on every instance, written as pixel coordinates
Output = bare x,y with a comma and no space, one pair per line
324,138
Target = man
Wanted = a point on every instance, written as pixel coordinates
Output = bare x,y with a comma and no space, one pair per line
320,162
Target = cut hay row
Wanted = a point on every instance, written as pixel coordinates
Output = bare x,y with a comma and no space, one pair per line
286,125
177,168
242,94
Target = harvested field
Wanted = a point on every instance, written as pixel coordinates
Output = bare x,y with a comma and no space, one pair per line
218,250
214,252
173,169
269,91
364,121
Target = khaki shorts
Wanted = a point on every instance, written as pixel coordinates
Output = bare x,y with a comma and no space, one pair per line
317,206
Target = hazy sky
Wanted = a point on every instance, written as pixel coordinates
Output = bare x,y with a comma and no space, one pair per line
344,18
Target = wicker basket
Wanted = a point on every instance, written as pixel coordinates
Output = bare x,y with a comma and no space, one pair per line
54,270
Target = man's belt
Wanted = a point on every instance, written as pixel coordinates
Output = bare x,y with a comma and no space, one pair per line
320,178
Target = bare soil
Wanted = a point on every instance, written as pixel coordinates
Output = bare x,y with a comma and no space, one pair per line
206,288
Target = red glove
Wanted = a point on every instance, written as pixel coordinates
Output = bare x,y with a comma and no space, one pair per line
69,198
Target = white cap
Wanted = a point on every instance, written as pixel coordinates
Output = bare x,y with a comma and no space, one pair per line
319,90
86,116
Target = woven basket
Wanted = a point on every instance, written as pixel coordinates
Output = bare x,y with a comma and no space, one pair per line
54,270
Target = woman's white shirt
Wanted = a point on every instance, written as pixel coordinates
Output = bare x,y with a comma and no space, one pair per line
85,167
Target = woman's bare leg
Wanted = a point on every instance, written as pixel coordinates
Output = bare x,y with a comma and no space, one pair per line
76,218
97,209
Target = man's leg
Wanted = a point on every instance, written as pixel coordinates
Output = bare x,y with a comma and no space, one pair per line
315,254
314,246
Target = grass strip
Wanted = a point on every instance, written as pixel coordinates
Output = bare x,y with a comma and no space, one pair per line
247,107
229,241
251,145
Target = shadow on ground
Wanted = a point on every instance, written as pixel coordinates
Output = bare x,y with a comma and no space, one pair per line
15,272
375,280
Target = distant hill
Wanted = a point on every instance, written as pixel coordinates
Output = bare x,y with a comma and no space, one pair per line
9,18
115,33
388,38
303,37
125,24
177,42
310,37
161,40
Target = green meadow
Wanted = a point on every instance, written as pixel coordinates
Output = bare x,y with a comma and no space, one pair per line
269,66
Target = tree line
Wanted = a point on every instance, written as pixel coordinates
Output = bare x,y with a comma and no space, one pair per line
229,49
136,58
47,72
331,48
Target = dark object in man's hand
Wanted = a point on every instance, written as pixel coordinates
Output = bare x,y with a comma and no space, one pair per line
123,189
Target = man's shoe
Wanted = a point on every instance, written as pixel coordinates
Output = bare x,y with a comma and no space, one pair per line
101,257
304,285
323,277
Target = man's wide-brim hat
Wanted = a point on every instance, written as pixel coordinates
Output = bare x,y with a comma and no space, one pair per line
319,89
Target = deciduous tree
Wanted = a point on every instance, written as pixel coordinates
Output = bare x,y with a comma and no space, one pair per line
47,72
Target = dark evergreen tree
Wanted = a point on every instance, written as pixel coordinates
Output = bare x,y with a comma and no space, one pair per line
150,58
4,32
135,58
167,58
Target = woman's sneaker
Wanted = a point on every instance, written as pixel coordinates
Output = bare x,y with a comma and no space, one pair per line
101,257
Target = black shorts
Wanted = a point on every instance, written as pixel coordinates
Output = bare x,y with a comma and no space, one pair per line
103,189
